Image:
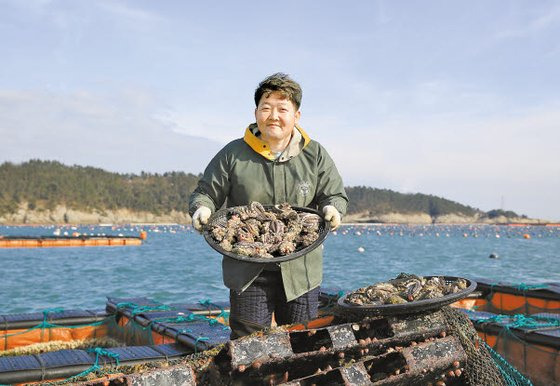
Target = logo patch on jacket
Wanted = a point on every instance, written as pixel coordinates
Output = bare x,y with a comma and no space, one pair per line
303,188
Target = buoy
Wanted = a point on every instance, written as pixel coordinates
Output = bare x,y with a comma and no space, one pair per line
143,235
493,255
526,236
361,249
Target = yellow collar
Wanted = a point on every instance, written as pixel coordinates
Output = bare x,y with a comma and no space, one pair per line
262,148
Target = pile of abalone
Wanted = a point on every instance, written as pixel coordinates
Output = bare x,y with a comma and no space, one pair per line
254,231
403,289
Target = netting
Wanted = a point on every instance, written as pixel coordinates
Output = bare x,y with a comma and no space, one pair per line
484,366
48,336
511,376
508,334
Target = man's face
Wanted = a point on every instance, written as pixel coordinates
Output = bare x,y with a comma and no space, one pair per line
276,117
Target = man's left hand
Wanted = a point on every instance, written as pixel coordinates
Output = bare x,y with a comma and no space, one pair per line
332,215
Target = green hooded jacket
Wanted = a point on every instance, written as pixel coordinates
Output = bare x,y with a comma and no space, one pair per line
302,175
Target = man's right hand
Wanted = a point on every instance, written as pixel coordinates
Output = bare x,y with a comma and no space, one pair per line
200,217
332,215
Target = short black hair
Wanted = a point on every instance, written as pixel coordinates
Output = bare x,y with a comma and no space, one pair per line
282,83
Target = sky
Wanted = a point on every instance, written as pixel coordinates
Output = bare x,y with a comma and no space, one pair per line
460,100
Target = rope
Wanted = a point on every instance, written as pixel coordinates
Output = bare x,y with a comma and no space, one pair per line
46,313
178,319
99,351
333,299
183,319
522,321
533,322
207,303
45,324
526,287
200,338
191,317
521,286
135,309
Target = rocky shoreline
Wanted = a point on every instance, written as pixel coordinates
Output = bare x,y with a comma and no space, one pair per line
424,218
63,215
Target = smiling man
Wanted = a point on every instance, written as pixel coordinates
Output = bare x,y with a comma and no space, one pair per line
275,162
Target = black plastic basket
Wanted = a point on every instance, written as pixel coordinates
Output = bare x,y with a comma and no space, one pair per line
221,217
410,307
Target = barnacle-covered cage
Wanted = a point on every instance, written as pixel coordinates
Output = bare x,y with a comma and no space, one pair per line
189,344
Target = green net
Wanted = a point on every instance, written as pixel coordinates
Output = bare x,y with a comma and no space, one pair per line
535,360
484,366
529,322
511,376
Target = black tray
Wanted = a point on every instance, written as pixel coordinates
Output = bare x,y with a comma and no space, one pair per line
220,217
410,307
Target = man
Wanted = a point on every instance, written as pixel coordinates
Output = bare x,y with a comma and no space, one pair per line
275,162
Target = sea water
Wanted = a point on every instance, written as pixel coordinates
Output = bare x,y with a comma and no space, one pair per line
176,265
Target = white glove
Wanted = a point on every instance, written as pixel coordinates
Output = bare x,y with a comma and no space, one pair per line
332,215
200,217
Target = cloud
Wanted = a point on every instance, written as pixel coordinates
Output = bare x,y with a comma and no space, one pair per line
115,132
203,124
470,159
547,18
128,13
77,17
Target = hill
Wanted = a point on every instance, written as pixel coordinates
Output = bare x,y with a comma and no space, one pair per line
50,192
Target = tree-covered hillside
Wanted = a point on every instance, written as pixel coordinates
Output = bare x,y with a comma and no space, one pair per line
45,184
379,201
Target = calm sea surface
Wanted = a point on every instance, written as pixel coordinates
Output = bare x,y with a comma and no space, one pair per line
176,265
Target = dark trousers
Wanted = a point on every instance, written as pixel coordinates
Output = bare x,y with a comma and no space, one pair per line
251,310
